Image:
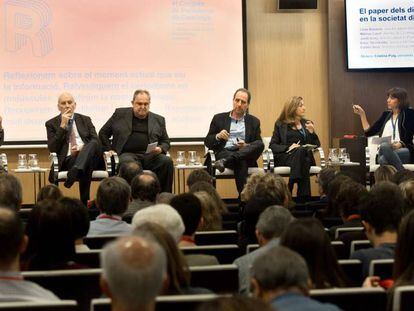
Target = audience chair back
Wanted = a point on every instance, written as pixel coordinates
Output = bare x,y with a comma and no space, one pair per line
63,305
219,279
216,237
382,268
403,298
340,231
352,269
225,254
359,244
98,241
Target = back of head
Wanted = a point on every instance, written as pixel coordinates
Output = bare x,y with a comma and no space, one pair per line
11,236
164,198
189,208
133,270
51,237
128,170
325,176
383,207
198,175
280,269
334,187
307,237
50,192
350,198
145,187
177,270
402,176
113,196
211,215
208,187
404,254
163,215
407,190
384,173
10,192
273,221
78,214
235,303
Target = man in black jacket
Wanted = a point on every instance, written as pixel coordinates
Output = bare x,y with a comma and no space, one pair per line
235,138
73,137
132,130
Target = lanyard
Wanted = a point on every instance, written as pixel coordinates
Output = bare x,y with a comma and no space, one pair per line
394,124
303,132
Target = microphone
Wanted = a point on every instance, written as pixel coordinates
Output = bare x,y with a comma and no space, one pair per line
237,121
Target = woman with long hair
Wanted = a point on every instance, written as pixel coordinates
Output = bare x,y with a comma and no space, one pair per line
292,131
398,123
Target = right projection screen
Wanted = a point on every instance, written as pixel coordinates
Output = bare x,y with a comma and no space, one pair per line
380,34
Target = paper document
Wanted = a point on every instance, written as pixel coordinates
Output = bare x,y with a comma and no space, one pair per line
151,147
380,140
307,146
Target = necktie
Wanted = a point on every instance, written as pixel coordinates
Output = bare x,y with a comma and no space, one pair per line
72,136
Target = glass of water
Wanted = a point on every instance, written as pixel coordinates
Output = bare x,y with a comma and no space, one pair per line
21,161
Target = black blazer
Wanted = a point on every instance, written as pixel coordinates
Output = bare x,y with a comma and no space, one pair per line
58,138
1,137
119,127
405,128
278,143
222,121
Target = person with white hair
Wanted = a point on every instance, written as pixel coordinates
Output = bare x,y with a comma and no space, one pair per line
163,215
270,226
133,272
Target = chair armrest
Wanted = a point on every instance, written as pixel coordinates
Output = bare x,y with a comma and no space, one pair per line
212,161
4,164
321,156
265,158
367,158
110,167
270,159
55,166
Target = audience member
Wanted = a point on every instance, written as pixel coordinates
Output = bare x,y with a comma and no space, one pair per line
189,208
381,216
333,190
12,243
51,238
163,215
208,187
112,199
198,175
349,199
212,220
10,192
324,178
128,170
407,189
144,190
307,237
384,173
51,192
133,271
80,220
178,273
402,175
270,226
280,277
235,303
164,198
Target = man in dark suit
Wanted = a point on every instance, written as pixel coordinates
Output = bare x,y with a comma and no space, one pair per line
235,138
132,129
73,137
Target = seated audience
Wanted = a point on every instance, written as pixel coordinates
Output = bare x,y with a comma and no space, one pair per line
189,208
349,201
402,175
261,191
178,277
11,194
407,189
381,216
212,220
270,226
51,192
164,198
307,237
80,221
163,215
333,190
324,178
280,277
144,190
51,238
128,170
235,303
12,243
198,175
112,199
133,271
384,173
208,187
